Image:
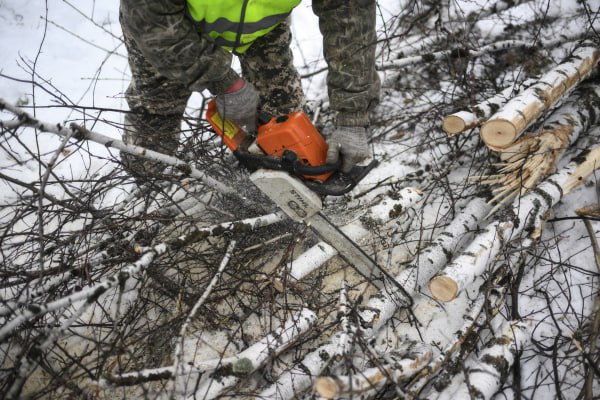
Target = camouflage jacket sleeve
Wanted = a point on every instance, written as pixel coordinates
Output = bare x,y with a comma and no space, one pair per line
349,39
169,41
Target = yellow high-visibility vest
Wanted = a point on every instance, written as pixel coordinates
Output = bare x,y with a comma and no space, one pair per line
236,24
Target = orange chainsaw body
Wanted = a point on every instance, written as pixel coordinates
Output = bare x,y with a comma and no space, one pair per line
293,132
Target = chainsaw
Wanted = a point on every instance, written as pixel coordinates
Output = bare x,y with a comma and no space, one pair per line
289,143
288,160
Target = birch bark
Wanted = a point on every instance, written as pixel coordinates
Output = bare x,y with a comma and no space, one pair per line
526,216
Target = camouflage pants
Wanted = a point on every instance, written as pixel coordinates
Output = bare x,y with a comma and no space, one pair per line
157,103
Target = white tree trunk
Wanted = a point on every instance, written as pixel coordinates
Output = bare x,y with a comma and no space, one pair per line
484,375
461,121
384,304
489,299
443,54
395,366
529,212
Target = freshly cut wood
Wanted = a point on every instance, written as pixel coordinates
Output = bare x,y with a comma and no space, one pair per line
505,126
382,306
528,214
461,121
590,163
300,377
532,158
489,299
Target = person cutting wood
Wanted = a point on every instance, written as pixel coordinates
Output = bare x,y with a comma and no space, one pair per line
176,47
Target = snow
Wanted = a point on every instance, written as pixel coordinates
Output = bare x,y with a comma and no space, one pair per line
86,65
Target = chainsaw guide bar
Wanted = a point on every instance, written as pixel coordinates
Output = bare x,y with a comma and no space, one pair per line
301,204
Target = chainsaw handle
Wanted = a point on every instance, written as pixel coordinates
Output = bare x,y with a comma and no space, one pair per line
287,162
290,162
311,170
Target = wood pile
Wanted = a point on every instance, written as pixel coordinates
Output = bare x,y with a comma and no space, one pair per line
283,317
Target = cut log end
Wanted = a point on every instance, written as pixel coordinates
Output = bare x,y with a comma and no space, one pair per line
326,387
498,134
453,125
278,285
443,288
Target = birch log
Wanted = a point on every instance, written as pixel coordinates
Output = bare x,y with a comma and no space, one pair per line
453,53
507,124
489,372
487,303
243,363
382,306
490,298
528,213
300,377
347,329
421,43
396,365
461,121
254,357
485,374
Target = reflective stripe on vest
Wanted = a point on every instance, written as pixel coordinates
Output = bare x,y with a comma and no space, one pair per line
236,24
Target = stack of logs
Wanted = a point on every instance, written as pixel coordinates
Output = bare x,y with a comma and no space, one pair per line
529,159
526,158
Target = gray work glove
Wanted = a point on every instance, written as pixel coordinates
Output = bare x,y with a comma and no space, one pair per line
240,107
351,143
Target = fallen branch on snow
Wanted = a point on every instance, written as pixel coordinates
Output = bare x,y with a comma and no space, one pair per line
24,119
454,53
254,357
188,321
147,256
490,297
485,374
382,306
395,366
